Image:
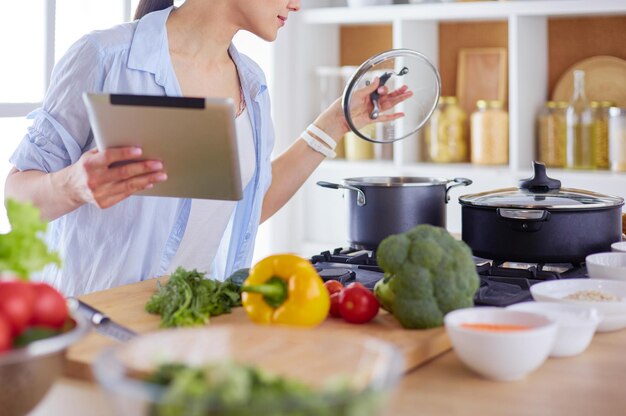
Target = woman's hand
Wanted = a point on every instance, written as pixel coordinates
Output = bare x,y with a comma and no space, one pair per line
106,178
333,121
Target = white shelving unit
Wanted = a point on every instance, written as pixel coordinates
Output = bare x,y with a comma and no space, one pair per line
316,218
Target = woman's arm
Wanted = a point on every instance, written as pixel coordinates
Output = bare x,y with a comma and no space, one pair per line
91,179
292,168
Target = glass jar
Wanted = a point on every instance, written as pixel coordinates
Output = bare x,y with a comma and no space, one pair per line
490,133
446,139
617,139
551,134
581,149
600,131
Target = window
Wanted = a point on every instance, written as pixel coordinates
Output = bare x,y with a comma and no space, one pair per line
34,34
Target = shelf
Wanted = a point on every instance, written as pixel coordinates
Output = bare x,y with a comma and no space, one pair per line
461,11
316,217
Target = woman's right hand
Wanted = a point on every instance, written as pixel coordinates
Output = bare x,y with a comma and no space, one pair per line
106,178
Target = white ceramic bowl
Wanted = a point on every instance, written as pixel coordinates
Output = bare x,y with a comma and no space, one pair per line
576,325
619,247
507,355
613,313
610,266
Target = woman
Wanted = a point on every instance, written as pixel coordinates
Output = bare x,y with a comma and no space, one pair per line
109,237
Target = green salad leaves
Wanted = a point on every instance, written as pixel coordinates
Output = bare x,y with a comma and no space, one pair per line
190,299
233,389
22,251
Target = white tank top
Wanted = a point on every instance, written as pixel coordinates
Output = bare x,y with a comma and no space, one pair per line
208,218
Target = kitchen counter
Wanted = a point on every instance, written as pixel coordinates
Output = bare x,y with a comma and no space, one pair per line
589,384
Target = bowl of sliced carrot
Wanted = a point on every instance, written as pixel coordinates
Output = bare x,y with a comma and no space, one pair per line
500,344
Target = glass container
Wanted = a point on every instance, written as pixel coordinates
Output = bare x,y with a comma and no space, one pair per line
489,133
600,131
617,140
551,134
445,133
581,150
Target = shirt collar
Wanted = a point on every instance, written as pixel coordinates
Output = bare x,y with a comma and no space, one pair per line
149,51
149,47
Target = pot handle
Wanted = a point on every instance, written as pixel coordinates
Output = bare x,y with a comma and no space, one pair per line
457,182
360,196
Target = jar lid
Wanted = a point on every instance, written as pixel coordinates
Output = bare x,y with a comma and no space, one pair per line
395,68
544,193
448,99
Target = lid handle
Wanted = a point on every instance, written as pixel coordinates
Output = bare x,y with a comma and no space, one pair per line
540,182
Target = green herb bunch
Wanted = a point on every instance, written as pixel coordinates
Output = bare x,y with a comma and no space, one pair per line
190,299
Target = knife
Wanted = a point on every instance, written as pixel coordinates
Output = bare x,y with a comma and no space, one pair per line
101,322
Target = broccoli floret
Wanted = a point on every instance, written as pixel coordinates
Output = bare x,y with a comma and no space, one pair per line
428,273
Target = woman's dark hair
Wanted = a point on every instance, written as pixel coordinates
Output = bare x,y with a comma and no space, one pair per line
148,6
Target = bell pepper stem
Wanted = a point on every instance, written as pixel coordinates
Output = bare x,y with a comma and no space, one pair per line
274,291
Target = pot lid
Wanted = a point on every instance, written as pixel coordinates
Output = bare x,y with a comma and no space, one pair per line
396,69
395,181
541,192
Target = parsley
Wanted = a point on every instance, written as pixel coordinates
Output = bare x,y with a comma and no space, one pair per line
190,299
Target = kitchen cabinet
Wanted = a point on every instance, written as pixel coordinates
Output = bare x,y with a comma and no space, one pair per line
538,52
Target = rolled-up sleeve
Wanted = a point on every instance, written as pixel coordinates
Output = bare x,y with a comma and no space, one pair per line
60,129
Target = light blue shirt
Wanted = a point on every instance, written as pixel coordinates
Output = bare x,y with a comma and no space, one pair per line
137,238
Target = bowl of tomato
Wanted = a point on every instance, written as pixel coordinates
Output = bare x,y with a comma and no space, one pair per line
36,327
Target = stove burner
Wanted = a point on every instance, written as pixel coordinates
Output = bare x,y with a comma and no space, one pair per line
344,276
501,283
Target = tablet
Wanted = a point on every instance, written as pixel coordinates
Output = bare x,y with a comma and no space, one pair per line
195,138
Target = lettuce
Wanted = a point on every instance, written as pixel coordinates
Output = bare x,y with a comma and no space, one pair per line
22,251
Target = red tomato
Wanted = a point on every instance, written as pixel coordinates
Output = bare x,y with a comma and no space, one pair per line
5,334
17,300
50,307
334,305
333,286
357,304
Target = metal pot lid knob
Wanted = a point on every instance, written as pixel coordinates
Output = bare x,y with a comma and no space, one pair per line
540,182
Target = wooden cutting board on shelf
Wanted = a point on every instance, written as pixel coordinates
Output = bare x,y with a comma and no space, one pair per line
125,305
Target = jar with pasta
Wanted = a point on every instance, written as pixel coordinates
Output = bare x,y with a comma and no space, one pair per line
490,133
551,134
445,134
600,131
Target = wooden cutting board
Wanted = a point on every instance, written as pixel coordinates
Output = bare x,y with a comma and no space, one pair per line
125,305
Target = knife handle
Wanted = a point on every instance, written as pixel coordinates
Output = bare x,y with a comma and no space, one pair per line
95,316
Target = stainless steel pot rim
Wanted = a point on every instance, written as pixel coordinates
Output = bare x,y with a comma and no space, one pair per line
50,345
565,199
396,181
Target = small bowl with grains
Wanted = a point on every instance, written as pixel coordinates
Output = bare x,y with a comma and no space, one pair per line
500,344
608,297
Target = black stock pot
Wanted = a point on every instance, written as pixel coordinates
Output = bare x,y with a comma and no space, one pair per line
384,205
540,222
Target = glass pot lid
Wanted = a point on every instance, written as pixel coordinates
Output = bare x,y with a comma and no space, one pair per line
542,192
399,70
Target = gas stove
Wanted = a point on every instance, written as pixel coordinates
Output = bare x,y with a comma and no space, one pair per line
501,283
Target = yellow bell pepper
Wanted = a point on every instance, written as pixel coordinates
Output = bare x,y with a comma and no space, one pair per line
285,289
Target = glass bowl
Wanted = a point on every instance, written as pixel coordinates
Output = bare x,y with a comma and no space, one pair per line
26,374
350,373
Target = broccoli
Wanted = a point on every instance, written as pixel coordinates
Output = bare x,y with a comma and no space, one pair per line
428,273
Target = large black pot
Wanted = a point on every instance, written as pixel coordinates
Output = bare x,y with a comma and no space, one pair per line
540,222
381,206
